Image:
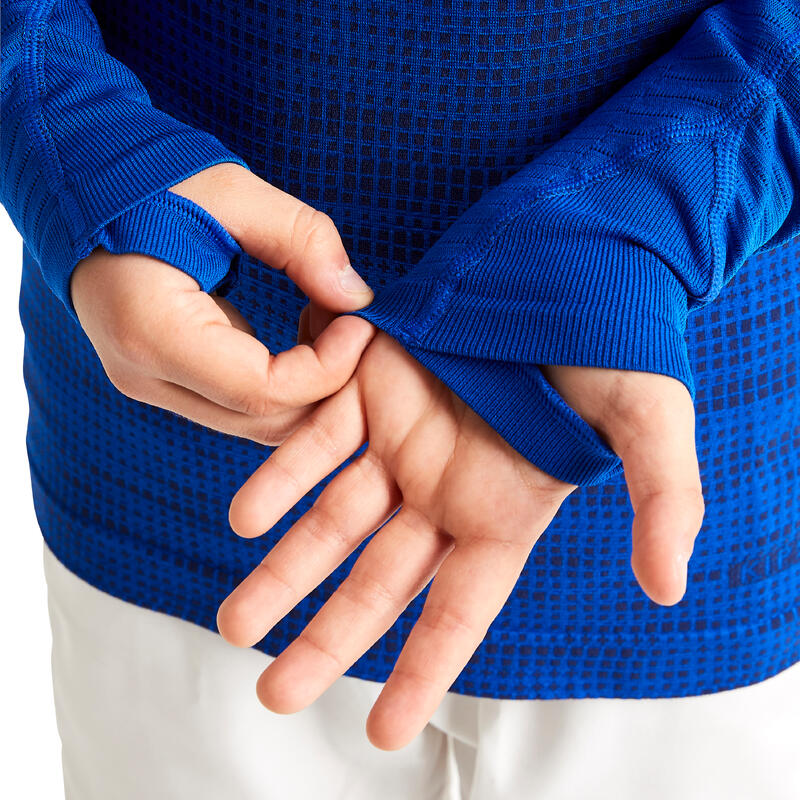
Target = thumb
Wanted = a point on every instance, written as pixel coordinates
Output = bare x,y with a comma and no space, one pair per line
281,231
652,429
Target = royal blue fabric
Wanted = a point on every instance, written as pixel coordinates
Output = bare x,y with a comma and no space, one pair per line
596,183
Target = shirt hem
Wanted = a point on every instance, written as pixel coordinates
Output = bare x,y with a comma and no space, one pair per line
525,665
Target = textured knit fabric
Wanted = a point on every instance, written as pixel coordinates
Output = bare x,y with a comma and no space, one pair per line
522,183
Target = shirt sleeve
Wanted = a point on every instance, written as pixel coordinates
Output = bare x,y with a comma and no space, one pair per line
85,158
594,253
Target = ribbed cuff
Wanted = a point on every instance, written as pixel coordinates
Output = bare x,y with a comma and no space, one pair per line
518,402
541,292
176,230
540,297
170,161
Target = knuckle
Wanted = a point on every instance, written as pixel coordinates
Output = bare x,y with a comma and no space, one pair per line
255,404
640,409
312,230
275,429
695,504
367,591
449,622
684,504
309,636
269,571
266,435
286,474
124,382
256,399
130,343
321,436
321,525
414,676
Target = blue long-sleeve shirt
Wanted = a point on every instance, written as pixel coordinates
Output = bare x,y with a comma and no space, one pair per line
605,183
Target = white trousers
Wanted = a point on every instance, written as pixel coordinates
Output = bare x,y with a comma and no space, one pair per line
150,707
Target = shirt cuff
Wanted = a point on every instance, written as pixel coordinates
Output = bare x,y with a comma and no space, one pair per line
173,228
539,291
176,230
520,404
60,248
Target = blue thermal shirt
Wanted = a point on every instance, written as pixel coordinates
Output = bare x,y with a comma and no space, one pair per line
595,182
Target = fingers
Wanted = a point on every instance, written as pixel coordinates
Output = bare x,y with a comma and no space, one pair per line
655,437
308,373
282,231
234,369
270,430
351,507
150,324
648,419
288,234
332,433
394,567
468,592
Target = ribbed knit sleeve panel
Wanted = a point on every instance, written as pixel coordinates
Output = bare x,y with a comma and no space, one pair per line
86,159
594,253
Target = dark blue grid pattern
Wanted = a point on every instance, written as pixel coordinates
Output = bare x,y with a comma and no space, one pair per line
394,118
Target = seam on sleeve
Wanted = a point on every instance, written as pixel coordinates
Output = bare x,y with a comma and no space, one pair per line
32,76
723,157
755,91
718,195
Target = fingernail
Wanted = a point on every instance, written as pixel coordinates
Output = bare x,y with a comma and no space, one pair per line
351,281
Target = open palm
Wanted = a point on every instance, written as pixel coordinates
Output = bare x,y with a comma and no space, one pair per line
469,508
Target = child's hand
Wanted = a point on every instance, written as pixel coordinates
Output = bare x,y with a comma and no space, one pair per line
471,509
165,342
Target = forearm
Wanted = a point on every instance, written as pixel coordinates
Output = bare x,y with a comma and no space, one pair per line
82,145
596,251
